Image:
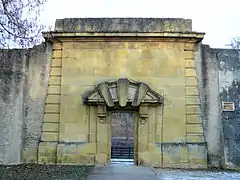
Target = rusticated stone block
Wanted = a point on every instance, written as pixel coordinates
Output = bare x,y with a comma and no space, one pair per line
55,71
194,129
101,159
192,111
194,119
30,155
54,90
174,154
51,118
53,99
190,73
76,153
57,54
49,136
192,91
57,46
189,64
192,100
191,81
197,155
52,108
54,80
57,62
189,47
195,138
50,127
47,153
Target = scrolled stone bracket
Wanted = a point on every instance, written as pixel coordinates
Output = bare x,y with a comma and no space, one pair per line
102,113
143,114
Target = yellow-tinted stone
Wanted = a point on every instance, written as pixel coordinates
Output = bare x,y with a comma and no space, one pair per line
49,136
195,138
191,81
193,110
189,46
166,65
47,153
101,158
52,108
189,55
30,155
192,91
57,62
190,72
55,71
189,63
50,127
194,119
54,89
57,46
57,54
194,129
51,118
53,99
192,100
54,80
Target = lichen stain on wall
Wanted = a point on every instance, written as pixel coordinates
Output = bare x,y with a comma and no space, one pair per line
11,85
23,75
231,124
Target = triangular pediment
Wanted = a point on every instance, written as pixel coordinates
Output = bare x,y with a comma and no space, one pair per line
123,91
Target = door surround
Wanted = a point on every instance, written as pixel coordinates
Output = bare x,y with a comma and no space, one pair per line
134,123
121,94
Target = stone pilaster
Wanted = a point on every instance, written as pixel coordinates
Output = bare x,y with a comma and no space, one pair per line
50,128
196,145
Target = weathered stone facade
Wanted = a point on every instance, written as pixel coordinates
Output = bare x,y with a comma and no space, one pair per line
155,68
161,55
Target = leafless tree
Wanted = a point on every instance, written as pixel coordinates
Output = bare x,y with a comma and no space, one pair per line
234,43
19,23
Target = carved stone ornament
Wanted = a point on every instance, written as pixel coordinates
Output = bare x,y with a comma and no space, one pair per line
101,113
122,92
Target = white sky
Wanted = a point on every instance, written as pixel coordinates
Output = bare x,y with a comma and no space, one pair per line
219,19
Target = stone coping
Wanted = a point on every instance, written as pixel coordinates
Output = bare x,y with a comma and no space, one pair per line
186,35
123,25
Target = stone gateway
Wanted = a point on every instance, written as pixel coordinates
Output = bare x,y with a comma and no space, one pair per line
112,65
101,90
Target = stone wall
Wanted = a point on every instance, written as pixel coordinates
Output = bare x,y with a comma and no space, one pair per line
221,82
23,85
167,66
123,25
23,76
158,52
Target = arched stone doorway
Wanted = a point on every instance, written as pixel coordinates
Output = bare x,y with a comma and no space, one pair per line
123,95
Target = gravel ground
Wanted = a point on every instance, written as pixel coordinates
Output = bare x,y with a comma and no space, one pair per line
167,174
43,172
53,172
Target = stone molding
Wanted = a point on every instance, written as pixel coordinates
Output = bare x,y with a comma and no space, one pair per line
122,92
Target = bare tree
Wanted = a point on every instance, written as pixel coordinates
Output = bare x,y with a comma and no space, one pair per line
234,43
19,23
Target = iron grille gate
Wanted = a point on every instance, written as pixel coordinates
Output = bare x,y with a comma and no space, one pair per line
122,146
122,152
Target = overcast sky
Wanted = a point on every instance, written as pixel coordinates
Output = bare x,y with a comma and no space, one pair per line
219,19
